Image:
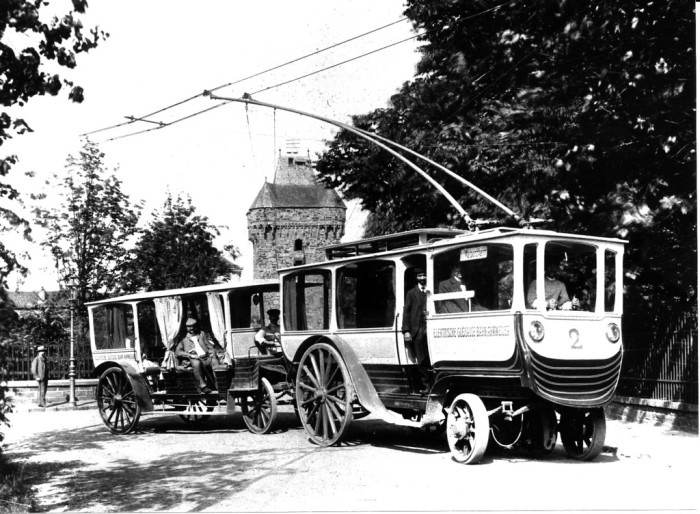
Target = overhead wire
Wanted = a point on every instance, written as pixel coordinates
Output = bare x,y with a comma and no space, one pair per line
177,104
206,92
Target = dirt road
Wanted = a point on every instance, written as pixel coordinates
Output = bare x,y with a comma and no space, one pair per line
77,465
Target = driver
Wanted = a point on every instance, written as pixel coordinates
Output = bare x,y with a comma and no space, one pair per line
268,337
555,295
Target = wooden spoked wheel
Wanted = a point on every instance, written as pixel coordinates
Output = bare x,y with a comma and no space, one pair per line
116,401
260,408
467,429
583,433
324,394
196,410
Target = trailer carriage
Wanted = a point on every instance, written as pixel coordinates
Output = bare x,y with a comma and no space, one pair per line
133,338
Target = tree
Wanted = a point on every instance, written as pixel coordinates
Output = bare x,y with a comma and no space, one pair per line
24,76
89,231
176,250
582,113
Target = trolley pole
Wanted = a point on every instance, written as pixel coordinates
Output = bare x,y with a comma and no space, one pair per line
71,364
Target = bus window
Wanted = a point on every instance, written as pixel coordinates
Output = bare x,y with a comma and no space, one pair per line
306,300
114,327
570,277
366,295
609,293
485,270
197,307
245,309
149,335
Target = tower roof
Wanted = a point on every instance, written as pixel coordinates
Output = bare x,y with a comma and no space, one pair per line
296,185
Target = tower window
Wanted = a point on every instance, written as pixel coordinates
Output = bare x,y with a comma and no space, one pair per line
290,161
298,245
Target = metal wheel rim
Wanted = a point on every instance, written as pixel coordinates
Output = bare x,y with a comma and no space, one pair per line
324,394
260,409
116,401
467,429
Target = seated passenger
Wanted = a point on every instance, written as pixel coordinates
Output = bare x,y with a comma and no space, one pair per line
555,294
454,284
197,350
268,337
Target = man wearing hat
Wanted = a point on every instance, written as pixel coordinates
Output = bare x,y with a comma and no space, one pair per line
197,350
414,327
268,338
40,370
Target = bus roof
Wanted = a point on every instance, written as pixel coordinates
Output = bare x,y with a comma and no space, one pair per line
135,297
435,238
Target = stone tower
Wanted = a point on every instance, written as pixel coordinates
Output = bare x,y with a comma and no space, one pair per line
293,217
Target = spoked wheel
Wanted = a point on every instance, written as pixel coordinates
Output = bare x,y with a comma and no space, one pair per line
467,429
196,411
260,408
324,394
117,401
542,431
583,433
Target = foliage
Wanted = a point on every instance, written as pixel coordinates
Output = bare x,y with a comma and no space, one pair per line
578,112
25,75
16,495
176,250
88,232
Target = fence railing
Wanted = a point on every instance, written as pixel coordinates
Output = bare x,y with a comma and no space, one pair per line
662,364
19,360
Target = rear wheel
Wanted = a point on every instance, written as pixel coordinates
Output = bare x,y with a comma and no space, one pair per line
260,408
583,433
467,429
324,394
116,401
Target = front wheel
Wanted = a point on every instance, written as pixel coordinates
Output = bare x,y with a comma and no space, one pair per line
260,408
116,400
467,429
583,433
324,394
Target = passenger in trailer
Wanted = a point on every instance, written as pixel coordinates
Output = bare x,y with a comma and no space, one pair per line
414,327
268,338
556,296
196,350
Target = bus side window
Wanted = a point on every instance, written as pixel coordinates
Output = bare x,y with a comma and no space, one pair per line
366,297
306,300
149,334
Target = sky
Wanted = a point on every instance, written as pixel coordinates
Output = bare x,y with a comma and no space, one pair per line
161,52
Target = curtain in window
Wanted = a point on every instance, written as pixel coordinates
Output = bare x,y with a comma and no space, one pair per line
169,316
218,322
116,327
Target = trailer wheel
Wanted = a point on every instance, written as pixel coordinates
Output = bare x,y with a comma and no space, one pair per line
583,433
116,401
467,429
260,408
324,394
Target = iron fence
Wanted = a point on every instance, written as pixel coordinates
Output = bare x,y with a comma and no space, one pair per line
19,360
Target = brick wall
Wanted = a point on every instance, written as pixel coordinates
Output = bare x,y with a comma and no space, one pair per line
58,392
273,232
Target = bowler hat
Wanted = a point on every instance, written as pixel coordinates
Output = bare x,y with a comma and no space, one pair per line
419,271
41,348
190,322
273,312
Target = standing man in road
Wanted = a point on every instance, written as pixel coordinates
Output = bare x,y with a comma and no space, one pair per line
40,370
414,327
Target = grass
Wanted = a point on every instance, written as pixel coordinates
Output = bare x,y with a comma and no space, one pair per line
15,494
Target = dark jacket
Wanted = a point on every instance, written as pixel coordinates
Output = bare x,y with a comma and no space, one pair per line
414,311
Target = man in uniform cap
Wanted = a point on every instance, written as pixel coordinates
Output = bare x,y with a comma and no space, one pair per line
40,370
197,349
268,338
414,327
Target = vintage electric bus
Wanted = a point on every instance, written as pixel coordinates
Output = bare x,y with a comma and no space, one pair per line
505,366
133,339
